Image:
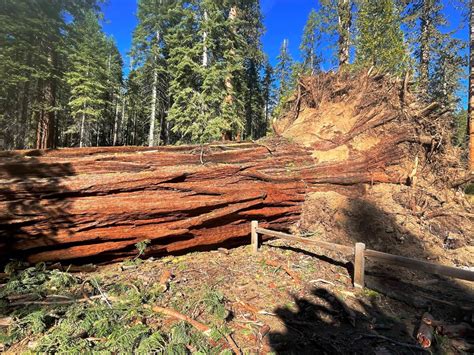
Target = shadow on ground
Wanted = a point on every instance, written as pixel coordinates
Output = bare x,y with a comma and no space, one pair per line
319,323
324,323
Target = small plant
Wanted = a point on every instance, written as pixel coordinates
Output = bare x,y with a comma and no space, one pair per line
141,247
215,304
371,293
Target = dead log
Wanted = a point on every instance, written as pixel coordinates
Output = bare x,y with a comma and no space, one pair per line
64,205
95,204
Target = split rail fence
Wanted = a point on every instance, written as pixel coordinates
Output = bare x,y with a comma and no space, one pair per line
360,253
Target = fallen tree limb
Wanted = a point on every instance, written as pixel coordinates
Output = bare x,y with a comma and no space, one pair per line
175,314
206,330
290,272
425,331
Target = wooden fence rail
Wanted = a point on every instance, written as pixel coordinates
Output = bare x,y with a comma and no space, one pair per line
360,253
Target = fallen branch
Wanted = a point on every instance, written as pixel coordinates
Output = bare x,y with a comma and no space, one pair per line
55,302
425,332
322,281
247,307
6,321
233,344
175,314
206,330
290,272
463,180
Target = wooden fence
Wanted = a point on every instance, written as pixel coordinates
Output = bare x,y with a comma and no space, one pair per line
360,253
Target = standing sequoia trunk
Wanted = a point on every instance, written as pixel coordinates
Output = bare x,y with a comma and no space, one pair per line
45,133
97,203
46,118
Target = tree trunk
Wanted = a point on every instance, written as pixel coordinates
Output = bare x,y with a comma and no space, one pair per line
229,98
116,119
471,87
205,50
45,130
151,133
345,19
46,119
123,126
99,202
425,45
82,129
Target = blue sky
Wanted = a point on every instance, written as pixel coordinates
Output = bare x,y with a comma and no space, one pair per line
282,19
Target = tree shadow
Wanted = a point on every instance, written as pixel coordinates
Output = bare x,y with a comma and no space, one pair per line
32,206
380,231
308,329
324,323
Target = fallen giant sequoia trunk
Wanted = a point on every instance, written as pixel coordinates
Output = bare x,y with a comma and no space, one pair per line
96,203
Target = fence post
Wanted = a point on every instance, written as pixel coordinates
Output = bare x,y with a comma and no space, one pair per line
254,236
359,265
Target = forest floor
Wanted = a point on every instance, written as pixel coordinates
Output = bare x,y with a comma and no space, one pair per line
285,299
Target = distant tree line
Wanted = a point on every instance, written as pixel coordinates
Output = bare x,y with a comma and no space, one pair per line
198,71
60,75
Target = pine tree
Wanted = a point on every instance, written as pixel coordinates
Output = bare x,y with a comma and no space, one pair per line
447,64
87,75
344,11
268,94
248,82
32,62
114,84
335,21
187,112
310,43
380,40
283,71
149,51
424,19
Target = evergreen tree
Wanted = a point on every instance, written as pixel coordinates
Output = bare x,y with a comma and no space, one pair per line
32,62
310,43
283,71
149,51
268,94
187,113
114,84
249,30
334,19
87,76
447,70
380,40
